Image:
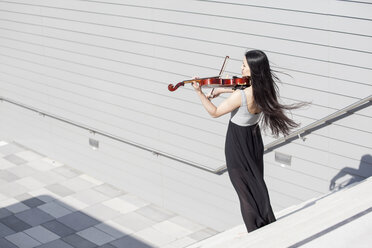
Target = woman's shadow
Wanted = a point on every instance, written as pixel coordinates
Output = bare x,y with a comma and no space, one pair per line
357,175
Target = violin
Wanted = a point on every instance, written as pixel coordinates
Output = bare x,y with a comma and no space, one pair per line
212,82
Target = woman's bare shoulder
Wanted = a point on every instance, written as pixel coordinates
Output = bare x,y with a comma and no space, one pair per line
252,107
235,98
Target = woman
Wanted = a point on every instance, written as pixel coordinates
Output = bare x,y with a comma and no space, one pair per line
243,146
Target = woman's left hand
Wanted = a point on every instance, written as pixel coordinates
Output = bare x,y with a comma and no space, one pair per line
196,85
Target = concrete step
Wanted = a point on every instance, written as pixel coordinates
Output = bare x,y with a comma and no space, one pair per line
299,222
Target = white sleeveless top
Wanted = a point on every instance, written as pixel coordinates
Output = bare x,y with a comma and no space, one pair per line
241,116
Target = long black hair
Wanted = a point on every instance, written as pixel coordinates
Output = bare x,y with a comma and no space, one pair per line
266,92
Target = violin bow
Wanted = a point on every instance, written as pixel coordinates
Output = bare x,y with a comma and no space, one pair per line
221,71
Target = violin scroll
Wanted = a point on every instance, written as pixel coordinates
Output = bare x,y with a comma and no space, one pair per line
171,87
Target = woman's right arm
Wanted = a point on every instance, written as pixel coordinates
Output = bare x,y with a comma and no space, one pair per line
218,91
226,90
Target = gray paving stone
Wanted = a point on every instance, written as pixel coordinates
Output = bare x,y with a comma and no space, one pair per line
130,242
33,202
10,149
29,155
8,176
28,149
101,212
15,159
58,228
40,165
13,189
49,177
56,244
22,170
112,231
30,183
17,207
54,209
186,223
95,236
14,223
70,203
4,213
46,198
202,234
109,190
181,242
78,242
22,240
59,190
134,200
107,246
134,221
78,221
23,197
77,184
34,216
6,244
41,234
90,196
5,231
67,171
5,164
155,213
2,182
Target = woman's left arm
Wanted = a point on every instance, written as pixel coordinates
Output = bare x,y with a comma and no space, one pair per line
228,105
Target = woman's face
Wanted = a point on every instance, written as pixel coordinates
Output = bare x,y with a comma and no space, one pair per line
245,68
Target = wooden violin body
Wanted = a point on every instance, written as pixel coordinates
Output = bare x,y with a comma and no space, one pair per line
213,82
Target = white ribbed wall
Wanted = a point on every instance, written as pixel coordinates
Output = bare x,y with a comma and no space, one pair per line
107,64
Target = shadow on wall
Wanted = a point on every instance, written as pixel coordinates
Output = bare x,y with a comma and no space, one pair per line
28,224
364,171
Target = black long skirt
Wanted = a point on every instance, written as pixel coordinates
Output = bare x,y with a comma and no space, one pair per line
244,160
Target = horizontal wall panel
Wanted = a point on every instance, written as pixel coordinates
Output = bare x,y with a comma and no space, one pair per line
357,53
309,15
318,83
347,135
336,97
318,7
362,60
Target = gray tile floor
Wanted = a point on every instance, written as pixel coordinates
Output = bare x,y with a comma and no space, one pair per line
47,204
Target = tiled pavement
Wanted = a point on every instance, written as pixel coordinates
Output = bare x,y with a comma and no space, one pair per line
47,204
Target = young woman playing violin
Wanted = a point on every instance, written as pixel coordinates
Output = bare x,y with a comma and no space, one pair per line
244,148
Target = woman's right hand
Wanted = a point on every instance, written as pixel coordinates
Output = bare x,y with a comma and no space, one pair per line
214,93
